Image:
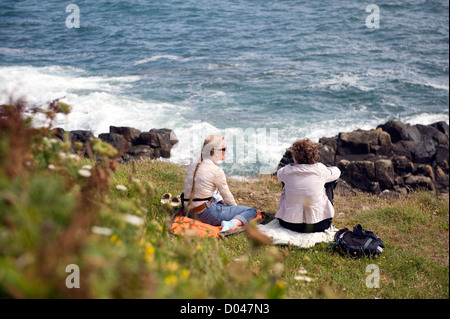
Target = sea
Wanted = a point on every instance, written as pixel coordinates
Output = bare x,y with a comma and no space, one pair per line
261,73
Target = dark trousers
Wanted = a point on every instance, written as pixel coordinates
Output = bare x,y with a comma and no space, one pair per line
317,227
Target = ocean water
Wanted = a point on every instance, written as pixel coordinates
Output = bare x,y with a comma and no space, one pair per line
262,73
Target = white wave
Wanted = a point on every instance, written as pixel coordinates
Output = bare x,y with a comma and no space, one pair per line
425,118
157,57
40,85
409,76
342,81
97,102
166,56
99,110
11,51
256,149
439,86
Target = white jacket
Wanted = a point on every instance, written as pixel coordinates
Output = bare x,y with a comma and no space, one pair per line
303,199
209,178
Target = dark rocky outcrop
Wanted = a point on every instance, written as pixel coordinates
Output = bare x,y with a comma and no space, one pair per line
394,157
116,140
132,144
79,137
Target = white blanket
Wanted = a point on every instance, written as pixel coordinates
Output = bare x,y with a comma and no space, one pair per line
283,236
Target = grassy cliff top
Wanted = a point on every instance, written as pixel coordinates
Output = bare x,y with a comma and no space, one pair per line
414,229
66,220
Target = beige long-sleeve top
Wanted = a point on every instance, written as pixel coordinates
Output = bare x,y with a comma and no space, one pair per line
303,199
209,178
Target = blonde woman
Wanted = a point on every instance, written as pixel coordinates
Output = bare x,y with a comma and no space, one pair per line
206,193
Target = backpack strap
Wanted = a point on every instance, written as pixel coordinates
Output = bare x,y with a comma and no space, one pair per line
367,243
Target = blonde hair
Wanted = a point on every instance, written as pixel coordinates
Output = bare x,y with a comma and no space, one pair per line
211,144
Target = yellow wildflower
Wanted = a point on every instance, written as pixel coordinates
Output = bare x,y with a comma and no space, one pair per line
185,273
115,240
171,280
149,252
280,284
172,266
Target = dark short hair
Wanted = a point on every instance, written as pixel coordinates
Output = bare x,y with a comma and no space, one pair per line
305,152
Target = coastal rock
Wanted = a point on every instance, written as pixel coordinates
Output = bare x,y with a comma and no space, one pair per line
360,174
419,181
442,157
131,143
384,171
375,142
399,131
152,144
141,151
402,165
83,137
59,133
129,133
441,126
441,180
150,139
167,138
116,140
286,159
425,170
327,154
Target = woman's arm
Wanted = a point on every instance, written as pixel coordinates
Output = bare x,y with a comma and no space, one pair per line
332,173
280,174
220,182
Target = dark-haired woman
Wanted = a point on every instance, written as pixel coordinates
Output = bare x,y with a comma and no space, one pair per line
306,203
203,180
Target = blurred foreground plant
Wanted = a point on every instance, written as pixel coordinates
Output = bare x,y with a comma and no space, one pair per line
47,207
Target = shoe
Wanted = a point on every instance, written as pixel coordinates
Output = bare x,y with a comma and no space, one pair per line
227,225
167,197
175,202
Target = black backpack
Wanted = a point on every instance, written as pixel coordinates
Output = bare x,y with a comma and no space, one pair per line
357,243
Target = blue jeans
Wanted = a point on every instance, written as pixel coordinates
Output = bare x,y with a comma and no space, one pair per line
215,213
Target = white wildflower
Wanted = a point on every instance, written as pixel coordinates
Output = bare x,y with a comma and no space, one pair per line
51,166
84,172
87,167
62,155
101,230
302,271
133,219
121,187
75,157
303,278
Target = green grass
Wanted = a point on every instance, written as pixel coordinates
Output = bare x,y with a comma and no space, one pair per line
414,264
